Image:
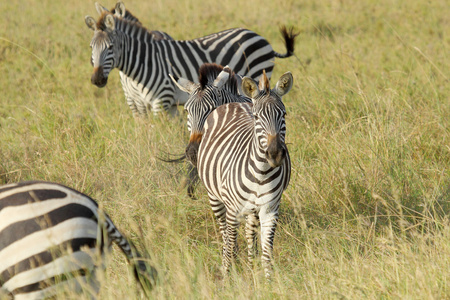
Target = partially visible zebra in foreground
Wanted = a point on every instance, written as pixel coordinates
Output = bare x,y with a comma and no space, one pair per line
52,238
244,164
147,61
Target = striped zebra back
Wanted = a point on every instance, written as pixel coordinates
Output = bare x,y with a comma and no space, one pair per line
53,237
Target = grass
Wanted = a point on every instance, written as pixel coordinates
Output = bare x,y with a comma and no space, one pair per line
366,212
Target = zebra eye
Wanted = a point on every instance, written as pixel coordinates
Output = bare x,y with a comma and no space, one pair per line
256,117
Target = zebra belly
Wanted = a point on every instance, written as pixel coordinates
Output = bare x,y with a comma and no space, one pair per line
142,100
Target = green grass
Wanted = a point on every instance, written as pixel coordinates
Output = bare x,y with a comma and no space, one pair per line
366,212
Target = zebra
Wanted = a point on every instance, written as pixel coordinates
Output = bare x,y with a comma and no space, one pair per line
217,86
146,61
51,237
244,164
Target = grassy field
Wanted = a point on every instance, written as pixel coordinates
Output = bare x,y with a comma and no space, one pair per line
366,212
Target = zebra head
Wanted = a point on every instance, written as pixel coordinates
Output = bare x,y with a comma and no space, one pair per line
105,48
218,85
269,115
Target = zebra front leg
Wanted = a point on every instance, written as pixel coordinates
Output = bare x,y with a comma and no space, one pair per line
268,226
251,226
230,249
220,211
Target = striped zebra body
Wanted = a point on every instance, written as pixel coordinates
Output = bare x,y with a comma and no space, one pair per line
245,166
52,238
147,61
132,88
217,86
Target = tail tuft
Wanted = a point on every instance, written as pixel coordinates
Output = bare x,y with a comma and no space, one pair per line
145,274
289,39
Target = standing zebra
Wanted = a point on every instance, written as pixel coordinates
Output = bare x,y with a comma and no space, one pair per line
146,61
51,237
244,164
217,86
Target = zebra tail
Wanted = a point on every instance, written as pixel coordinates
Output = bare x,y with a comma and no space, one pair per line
289,39
144,273
179,159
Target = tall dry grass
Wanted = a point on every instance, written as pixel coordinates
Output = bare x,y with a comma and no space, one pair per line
365,215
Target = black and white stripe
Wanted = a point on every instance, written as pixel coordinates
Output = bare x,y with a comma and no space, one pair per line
217,86
244,164
146,61
121,12
52,238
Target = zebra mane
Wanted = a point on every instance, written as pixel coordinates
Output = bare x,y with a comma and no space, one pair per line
208,72
121,24
128,16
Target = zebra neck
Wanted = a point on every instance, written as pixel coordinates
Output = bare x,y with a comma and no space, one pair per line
136,44
133,54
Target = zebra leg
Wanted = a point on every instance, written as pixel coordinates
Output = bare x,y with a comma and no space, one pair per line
193,180
251,225
132,106
230,250
220,211
268,226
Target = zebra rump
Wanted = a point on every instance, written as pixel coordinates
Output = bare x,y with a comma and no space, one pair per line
52,238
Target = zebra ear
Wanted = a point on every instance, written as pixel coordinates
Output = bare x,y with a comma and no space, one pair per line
284,84
264,84
249,87
120,9
90,22
109,22
183,84
222,78
100,8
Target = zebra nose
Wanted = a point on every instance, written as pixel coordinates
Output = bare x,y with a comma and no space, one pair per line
98,78
275,152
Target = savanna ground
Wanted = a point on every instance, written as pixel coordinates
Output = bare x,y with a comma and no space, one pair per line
366,212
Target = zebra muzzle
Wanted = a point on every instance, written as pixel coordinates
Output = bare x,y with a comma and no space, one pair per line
276,151
98,78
